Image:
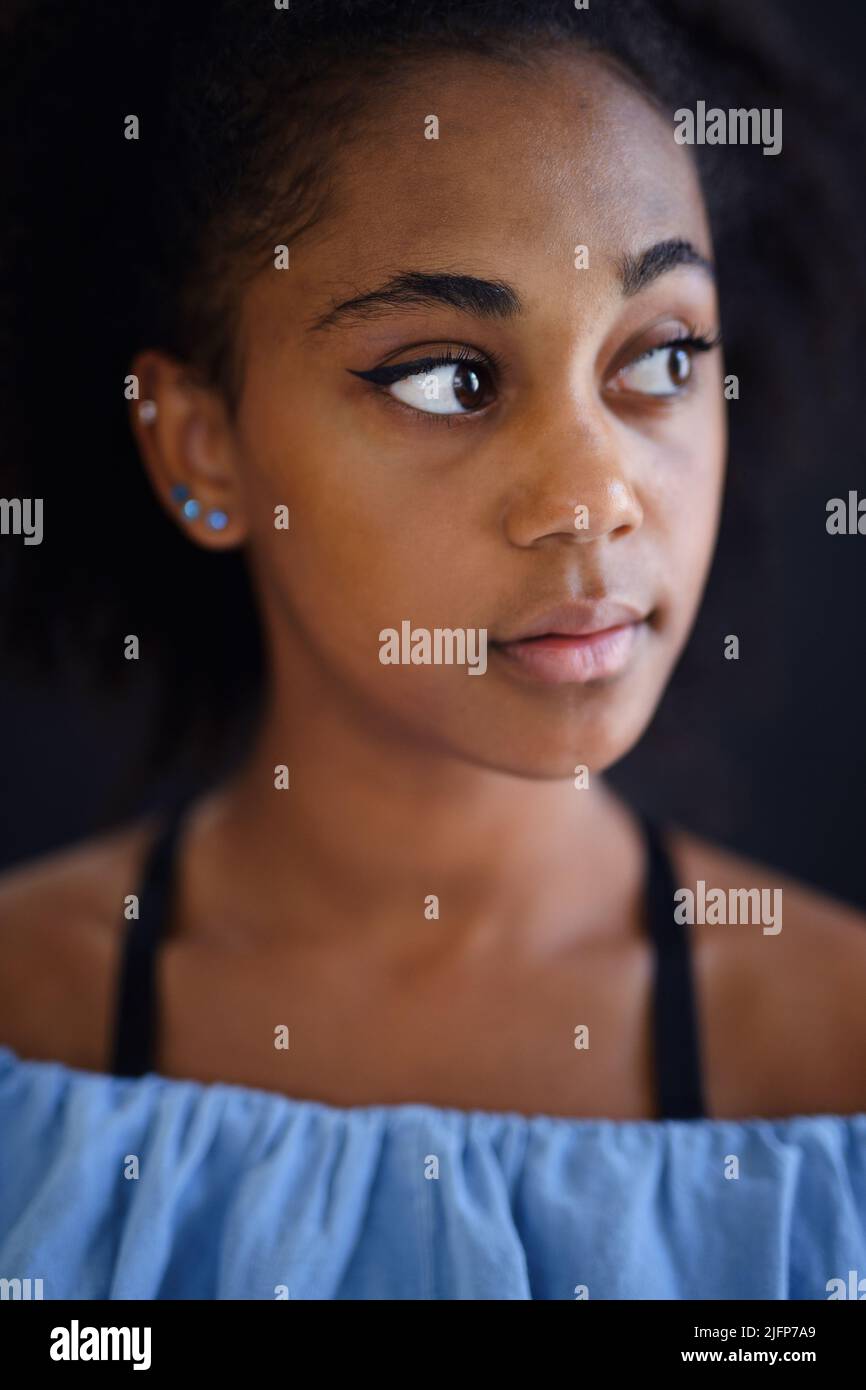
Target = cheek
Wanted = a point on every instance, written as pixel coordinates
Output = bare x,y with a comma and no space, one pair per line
687,501
372,538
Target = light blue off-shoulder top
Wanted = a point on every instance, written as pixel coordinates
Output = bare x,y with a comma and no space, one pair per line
156,1188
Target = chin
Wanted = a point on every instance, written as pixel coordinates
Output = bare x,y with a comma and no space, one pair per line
551,754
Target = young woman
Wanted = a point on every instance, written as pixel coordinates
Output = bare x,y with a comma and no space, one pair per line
414,312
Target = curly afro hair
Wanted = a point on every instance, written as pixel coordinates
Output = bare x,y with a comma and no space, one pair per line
116,244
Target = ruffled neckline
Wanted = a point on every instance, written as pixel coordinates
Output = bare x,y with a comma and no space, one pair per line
156,1085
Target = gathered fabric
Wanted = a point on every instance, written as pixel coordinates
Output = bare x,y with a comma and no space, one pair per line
157,1188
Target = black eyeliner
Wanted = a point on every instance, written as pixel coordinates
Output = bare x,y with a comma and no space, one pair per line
693,340
386,376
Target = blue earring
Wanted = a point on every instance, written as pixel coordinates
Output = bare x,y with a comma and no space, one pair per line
217,520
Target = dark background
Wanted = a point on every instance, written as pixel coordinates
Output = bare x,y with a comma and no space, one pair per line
767,754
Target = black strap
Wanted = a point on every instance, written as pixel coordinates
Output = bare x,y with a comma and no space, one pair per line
136,1027
675,1030
675,1015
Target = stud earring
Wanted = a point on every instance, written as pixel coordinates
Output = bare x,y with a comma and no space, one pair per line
188,505
216,519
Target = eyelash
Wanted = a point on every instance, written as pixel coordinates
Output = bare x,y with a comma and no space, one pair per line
699,342
387,376
383,377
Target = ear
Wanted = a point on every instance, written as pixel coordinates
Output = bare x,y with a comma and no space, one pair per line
186,441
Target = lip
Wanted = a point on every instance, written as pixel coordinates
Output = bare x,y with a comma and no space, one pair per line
575,643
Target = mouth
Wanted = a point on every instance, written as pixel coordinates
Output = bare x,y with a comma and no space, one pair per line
575,644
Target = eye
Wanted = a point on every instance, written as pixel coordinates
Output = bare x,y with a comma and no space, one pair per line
442,385
447,390
664,370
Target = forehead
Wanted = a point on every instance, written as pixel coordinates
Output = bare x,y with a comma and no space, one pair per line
535,158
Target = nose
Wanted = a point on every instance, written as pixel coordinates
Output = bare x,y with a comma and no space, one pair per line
572,486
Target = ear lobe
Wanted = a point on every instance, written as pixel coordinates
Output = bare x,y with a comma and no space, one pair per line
187,445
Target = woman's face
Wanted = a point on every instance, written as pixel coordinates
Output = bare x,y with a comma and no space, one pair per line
564,480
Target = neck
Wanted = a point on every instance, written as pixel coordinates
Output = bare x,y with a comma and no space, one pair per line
373,818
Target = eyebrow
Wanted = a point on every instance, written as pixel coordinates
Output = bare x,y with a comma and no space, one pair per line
636,272
489,299
495,299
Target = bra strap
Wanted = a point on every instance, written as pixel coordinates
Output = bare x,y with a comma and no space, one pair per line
137,1006
675,1015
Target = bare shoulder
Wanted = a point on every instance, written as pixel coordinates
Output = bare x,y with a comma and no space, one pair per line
781,970
61,915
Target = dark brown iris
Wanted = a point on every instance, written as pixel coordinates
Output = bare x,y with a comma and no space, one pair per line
679,366
470,387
